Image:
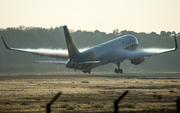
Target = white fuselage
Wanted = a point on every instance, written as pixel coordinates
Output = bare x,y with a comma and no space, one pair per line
104,52
107,52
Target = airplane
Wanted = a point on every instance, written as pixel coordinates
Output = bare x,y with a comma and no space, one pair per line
113,51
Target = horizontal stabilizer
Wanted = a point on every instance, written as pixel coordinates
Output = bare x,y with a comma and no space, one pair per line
88,62
52,62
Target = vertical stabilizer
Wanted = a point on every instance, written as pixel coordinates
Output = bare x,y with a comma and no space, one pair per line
72,50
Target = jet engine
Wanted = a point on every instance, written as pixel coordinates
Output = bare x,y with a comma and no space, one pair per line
137,61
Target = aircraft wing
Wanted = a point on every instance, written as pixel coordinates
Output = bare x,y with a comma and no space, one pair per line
41,52
149,52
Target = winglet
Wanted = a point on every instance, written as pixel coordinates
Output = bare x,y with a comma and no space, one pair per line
72,50
5,43
176,44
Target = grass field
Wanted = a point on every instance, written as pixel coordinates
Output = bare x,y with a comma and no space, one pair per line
148,92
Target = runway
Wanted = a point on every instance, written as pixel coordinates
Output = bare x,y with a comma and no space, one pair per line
82,75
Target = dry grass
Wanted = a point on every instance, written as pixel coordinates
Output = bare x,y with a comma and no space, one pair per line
89,94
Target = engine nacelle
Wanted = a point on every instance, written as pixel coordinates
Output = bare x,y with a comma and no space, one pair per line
137,61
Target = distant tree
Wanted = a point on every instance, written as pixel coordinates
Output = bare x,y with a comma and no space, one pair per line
173,32
124,32
178,34
96,31
78,31
163,33
153,33
169,33
21,27
37,37
116,32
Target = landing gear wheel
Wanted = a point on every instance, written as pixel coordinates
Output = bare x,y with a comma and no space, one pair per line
115,70
121,71
89,71
118,70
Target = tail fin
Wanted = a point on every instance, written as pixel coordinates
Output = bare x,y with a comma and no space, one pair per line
72,50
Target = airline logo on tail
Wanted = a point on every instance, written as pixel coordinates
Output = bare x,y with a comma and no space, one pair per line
71,48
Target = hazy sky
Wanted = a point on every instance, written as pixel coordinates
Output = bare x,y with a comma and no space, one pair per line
104,15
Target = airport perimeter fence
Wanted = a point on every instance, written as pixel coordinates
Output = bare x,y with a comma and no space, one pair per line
116,102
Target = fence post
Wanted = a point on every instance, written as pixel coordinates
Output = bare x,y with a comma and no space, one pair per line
117,101
48,107
178,105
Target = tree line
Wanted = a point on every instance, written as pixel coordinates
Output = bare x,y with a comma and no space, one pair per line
53,38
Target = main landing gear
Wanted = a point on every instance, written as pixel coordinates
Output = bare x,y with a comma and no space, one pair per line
89,71
118,70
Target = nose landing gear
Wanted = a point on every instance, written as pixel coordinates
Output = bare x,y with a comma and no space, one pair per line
89,71
118,70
